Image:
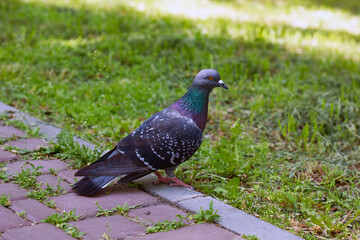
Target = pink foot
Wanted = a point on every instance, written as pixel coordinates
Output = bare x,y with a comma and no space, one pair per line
173,181
162,179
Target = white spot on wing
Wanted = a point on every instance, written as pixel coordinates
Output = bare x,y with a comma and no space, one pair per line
143,160
153,150
172,158
117,148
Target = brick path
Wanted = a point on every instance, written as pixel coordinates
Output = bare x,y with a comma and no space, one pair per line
147,211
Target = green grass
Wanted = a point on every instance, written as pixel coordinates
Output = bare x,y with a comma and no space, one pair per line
282,144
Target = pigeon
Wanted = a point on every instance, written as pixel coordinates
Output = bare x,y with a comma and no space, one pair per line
162,142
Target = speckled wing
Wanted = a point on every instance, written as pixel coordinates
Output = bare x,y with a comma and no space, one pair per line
165,140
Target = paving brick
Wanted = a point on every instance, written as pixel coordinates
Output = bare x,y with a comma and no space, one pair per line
237,220
152,214
14,190
42,231
6,108
115,226
6,156
29,143
44,129
15,167
171,194
85,206
52,181
197,231
68,175
10,131
9,220
35,211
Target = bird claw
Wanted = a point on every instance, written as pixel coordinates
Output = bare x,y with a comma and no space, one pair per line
163,180
172,181
180,183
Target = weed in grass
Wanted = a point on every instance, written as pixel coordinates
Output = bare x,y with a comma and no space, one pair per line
27,177
167,225
206,216
61,221
5,200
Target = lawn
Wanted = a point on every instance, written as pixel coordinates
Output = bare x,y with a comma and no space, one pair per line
282,144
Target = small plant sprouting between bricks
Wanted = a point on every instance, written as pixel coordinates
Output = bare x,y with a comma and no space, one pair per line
50,204
43,194
54,172
22,214
206,216
250,237
167,225
27,177
30,132
106,236
61,221
67,148
5,200
4,177
121,210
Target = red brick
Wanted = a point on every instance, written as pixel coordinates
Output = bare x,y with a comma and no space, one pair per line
68,175
29,143
52,181
10,131
117,227
35,211
9,220
6,156
14,190
153,214
42,231
117,195
196,231
15,167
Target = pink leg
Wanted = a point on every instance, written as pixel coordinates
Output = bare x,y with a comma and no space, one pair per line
162,179
173,181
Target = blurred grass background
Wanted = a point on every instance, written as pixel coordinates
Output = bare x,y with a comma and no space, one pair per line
282,144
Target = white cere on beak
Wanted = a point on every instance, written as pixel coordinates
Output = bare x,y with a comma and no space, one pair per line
221,81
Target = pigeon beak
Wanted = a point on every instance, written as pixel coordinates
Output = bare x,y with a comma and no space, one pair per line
223,85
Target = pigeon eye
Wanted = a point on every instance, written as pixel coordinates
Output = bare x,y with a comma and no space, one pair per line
210,78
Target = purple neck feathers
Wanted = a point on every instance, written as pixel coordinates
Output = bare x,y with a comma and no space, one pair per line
194,104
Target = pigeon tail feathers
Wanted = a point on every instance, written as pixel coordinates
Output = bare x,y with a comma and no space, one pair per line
91,185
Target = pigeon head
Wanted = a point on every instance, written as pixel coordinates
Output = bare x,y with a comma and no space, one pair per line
209,79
